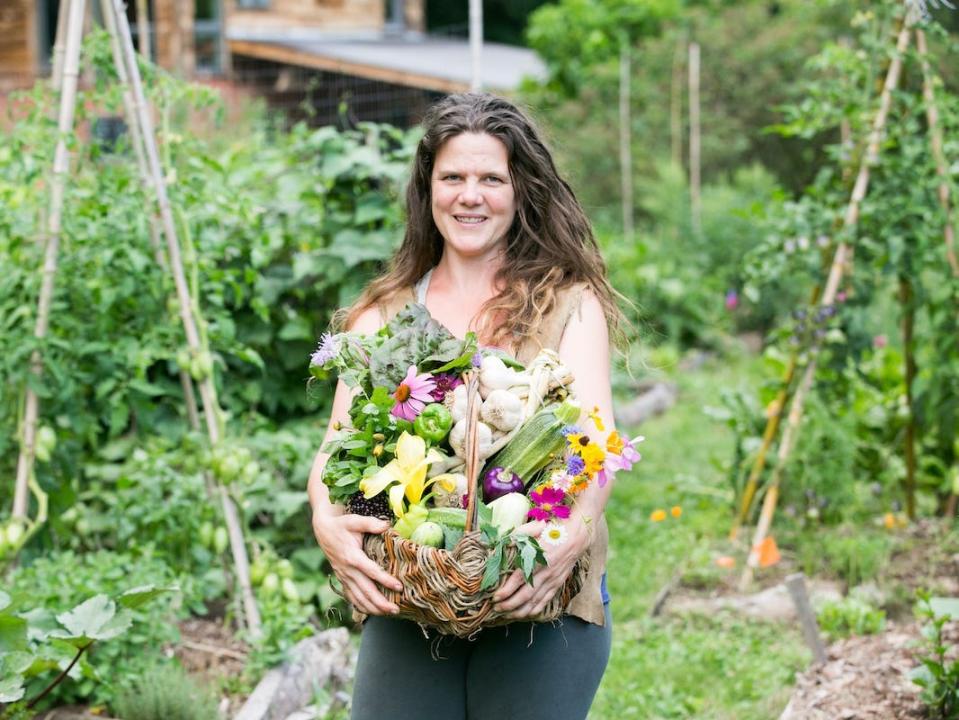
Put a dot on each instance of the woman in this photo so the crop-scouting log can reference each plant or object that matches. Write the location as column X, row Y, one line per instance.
column 495, row 243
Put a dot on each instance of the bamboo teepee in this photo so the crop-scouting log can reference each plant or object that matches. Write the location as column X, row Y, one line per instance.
column 66, row 69
column 794, row 393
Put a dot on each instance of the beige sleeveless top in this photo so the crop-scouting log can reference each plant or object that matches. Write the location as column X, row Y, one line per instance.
column 588, row 603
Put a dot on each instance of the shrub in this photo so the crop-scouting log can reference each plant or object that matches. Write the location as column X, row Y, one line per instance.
column 166, row 692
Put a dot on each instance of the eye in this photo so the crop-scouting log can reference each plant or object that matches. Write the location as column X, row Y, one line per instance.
column 495, row 179
column 450, row 176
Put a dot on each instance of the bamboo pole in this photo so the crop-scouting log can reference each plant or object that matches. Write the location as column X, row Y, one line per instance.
column 909, row 440
column 676, row 102
column 695, row 159
column 625, row 139
column 212, row 412
column 153, row 220
column 143, row 28
column 61, row 165
column 836, row 271
column 59, row 45
column 936, row 144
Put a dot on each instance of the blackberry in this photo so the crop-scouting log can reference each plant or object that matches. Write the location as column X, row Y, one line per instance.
column 377, row 506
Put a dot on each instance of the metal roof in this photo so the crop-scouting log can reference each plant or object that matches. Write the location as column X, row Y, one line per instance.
column 414, row 59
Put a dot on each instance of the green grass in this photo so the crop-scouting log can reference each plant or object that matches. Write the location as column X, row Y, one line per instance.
column 693, row 666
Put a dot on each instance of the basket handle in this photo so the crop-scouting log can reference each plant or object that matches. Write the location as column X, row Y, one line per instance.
column 473, row 403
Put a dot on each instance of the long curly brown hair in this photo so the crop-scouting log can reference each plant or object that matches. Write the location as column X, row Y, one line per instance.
column 549, row 246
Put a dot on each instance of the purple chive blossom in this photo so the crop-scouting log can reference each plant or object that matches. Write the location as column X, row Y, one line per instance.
column 325, row 352
column 445, row 382
column 575, row 465
column 571, row 430
column 477, row 359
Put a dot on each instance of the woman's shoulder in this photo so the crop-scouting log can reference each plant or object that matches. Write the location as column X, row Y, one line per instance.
column 374, row 316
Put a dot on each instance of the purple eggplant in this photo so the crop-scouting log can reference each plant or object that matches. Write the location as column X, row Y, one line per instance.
column 498, row 481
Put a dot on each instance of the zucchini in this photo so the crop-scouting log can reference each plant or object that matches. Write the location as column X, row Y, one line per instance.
column 448, row 517
column 538, row 441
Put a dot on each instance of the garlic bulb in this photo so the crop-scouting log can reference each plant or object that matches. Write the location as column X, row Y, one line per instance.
column 502, row 410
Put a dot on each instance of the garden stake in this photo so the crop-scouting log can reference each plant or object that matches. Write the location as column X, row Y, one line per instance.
column 836, row 272
column 56, row 75
column 796, row 584
column 212, row 412
column 909, row 442
column 136, row 139
column 935, row 142
column 61, row 165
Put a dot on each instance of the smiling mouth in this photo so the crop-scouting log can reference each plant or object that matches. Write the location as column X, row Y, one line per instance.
column 469, row 220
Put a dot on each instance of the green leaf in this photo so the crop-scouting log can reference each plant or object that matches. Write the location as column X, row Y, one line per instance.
column 93, row 619
column 528, row 559
column 13, row 633
column 494, row 564
column 142, row 594
column 11, row 689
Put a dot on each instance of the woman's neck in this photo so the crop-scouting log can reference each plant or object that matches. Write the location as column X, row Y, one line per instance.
column 469, row 280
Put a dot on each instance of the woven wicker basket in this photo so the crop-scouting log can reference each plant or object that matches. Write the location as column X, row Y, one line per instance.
column 441, row 589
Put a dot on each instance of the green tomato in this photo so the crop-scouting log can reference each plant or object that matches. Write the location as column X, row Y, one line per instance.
column 433, row 423
column 46, row 441
column 229, row 467
column 221, row 540
column 288, row 587
column 183, row 359
column 428, row 533
column 258, row 571
column 271, row 584
column 284, row 568
column 206, row 534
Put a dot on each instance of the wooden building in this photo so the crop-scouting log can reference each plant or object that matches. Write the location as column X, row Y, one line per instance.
column 372, row 57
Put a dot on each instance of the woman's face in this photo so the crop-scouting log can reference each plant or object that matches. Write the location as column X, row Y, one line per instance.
column 472, row 194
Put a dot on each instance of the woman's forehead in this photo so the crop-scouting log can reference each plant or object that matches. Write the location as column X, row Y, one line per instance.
column 472, row 150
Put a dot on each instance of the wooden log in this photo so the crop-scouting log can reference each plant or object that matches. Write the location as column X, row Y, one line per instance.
column 58, row 181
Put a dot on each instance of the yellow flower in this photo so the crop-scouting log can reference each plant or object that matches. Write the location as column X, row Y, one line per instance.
column 615, row 444
column 657, row 515
column 597, row 420
column 593, row 455
column 406, row 473
column 676, row 511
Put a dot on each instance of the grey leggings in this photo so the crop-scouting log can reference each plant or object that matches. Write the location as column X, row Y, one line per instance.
column 498, row 676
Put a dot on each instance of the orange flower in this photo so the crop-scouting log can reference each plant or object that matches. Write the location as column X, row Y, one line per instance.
column 615, row 444
column 676, row 511
column 657, row 515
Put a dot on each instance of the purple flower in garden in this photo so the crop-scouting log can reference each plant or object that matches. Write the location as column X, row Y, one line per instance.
column 325, row 351
column 445, row 382
column 546, row 504
column 732, row 300
column 412, row 395
column 575, row 465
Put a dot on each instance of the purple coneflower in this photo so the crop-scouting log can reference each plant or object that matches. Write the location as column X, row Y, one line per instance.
column 546, row 504
column 412, row 395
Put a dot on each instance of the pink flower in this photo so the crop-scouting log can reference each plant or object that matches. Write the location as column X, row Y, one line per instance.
column 880, row 341
column 546, row 504
column 624, row 460
column 732, row 300
column 413, row 394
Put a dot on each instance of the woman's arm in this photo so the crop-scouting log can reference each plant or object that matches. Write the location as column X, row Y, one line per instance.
column 341, row 534
column 584, row 349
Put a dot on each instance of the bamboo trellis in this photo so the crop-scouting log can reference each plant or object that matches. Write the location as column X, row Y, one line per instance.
column 139, row 119
column 838, row 268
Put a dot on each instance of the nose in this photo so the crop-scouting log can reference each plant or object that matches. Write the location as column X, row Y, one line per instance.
column 471, row 193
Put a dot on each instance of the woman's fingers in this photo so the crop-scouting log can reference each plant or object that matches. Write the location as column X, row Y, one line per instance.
column 372, row 599
column 512, row 584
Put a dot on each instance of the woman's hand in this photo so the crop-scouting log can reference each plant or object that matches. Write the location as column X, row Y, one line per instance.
column 523, row 600
column 341, row 537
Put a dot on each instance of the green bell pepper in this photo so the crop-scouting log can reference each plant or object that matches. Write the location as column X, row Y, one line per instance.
column 433, row 423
